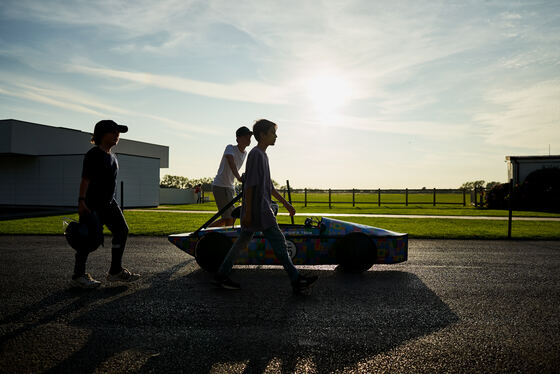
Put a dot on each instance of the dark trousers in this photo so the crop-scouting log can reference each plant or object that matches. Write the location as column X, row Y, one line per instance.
column 112, row 217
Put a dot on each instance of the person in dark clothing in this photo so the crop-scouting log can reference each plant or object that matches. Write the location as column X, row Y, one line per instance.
column 97, row 198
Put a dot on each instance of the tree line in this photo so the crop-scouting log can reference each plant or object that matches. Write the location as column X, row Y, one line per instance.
column 471, row 186
column 177, row 181
column 183, row 183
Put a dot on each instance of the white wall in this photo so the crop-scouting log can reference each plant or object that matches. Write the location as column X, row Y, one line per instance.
column 44, row 180
column 176, row 196
column 141, row 181
column 55, row 180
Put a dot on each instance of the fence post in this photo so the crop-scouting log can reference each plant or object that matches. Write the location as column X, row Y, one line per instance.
column 289, row 197
column 510, row 206
column 122, row 195
column 464, row 198
column 379, row 197
column 406, row 197
column 353, row 197
column 305, row 192
column 434, row 197
column 329, row 198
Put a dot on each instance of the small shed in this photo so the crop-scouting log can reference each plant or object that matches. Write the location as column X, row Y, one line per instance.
column 519, row 167
column 41, row 165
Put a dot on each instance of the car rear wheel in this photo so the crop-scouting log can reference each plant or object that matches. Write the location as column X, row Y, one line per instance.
column 356, row 252
column 211, row 250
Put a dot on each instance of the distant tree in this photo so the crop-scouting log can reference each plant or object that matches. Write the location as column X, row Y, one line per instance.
column 174, row 181
column 539, row 192
column 177, row 181
column 491, row 185
column 469, row 186
column 497, row 197
column 206, row 183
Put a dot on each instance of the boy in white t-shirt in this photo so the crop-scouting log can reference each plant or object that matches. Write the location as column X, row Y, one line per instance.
column 223, row 185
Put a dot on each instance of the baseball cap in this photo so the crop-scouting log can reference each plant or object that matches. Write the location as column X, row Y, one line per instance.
column 242, row 131
column 107, row 125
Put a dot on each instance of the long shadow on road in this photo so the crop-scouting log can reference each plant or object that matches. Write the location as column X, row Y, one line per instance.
column 182, row 324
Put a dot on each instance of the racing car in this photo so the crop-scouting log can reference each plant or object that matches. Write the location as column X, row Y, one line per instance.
column 319, row 241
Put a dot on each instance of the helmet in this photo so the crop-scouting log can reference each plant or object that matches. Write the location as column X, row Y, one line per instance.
column 86, row 235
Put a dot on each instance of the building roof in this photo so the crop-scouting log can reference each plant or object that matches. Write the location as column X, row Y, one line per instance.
column 26, row 138
column 533, row 158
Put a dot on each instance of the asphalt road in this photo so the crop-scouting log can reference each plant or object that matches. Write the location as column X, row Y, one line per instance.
column 455, row 306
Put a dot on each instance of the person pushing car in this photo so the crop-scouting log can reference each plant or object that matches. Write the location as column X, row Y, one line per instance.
column 228, row 171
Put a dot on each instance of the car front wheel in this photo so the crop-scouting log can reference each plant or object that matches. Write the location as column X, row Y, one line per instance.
column 356, row 252
column 211, row 250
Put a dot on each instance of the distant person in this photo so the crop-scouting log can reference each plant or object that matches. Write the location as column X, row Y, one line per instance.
column 198, row 193
column 257, row 213
column 223, row 186
column 97, row 197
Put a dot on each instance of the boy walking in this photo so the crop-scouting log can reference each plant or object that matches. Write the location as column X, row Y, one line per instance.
column 228, row 172
column 97, row 197
column 257, row 213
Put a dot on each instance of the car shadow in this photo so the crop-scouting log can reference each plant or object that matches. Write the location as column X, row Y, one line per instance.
column 184, row 324
column 344, row 320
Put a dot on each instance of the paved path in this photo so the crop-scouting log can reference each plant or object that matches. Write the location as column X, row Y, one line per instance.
column 551, row 219
column 453, row 307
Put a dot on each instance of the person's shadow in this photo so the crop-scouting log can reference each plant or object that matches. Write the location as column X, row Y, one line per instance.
column 183, row 324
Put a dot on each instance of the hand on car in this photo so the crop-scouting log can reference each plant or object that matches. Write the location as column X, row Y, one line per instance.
column 290, row 208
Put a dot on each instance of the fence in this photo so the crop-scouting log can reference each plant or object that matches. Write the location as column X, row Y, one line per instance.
column 380, row 197
column 406, row 197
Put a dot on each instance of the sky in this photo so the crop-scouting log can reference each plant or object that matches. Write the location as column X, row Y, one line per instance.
column 366, row 94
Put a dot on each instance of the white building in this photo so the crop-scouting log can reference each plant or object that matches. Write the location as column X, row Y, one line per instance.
column 519, row 167
column 41, row 166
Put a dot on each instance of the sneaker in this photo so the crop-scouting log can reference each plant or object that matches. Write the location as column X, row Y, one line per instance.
column 85, row 281
column 225, row 282
column 123, row 276
column 303, row 283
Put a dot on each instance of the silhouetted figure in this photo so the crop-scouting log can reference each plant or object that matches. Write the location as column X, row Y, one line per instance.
column 97, row 198
column 257, row 213
column 223, row 186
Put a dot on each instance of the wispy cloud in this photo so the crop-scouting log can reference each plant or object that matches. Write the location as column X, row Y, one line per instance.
column 131, row 18
column 70, row 99
column 527, row 117
column 254, row 92
column 35, row 94
column 391, row 125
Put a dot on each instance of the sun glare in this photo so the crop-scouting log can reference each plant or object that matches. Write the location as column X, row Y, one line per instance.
column 328, row 93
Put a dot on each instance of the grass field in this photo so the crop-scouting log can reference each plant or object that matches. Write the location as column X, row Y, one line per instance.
column 424, row 209
column 372, row 199
column 385, row 198
column 165, row 223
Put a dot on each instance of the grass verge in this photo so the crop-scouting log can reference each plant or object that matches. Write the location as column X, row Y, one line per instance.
column 441, row 210
column 165, row 223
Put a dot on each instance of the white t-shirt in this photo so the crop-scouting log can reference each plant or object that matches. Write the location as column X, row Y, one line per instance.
column 225, row 177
